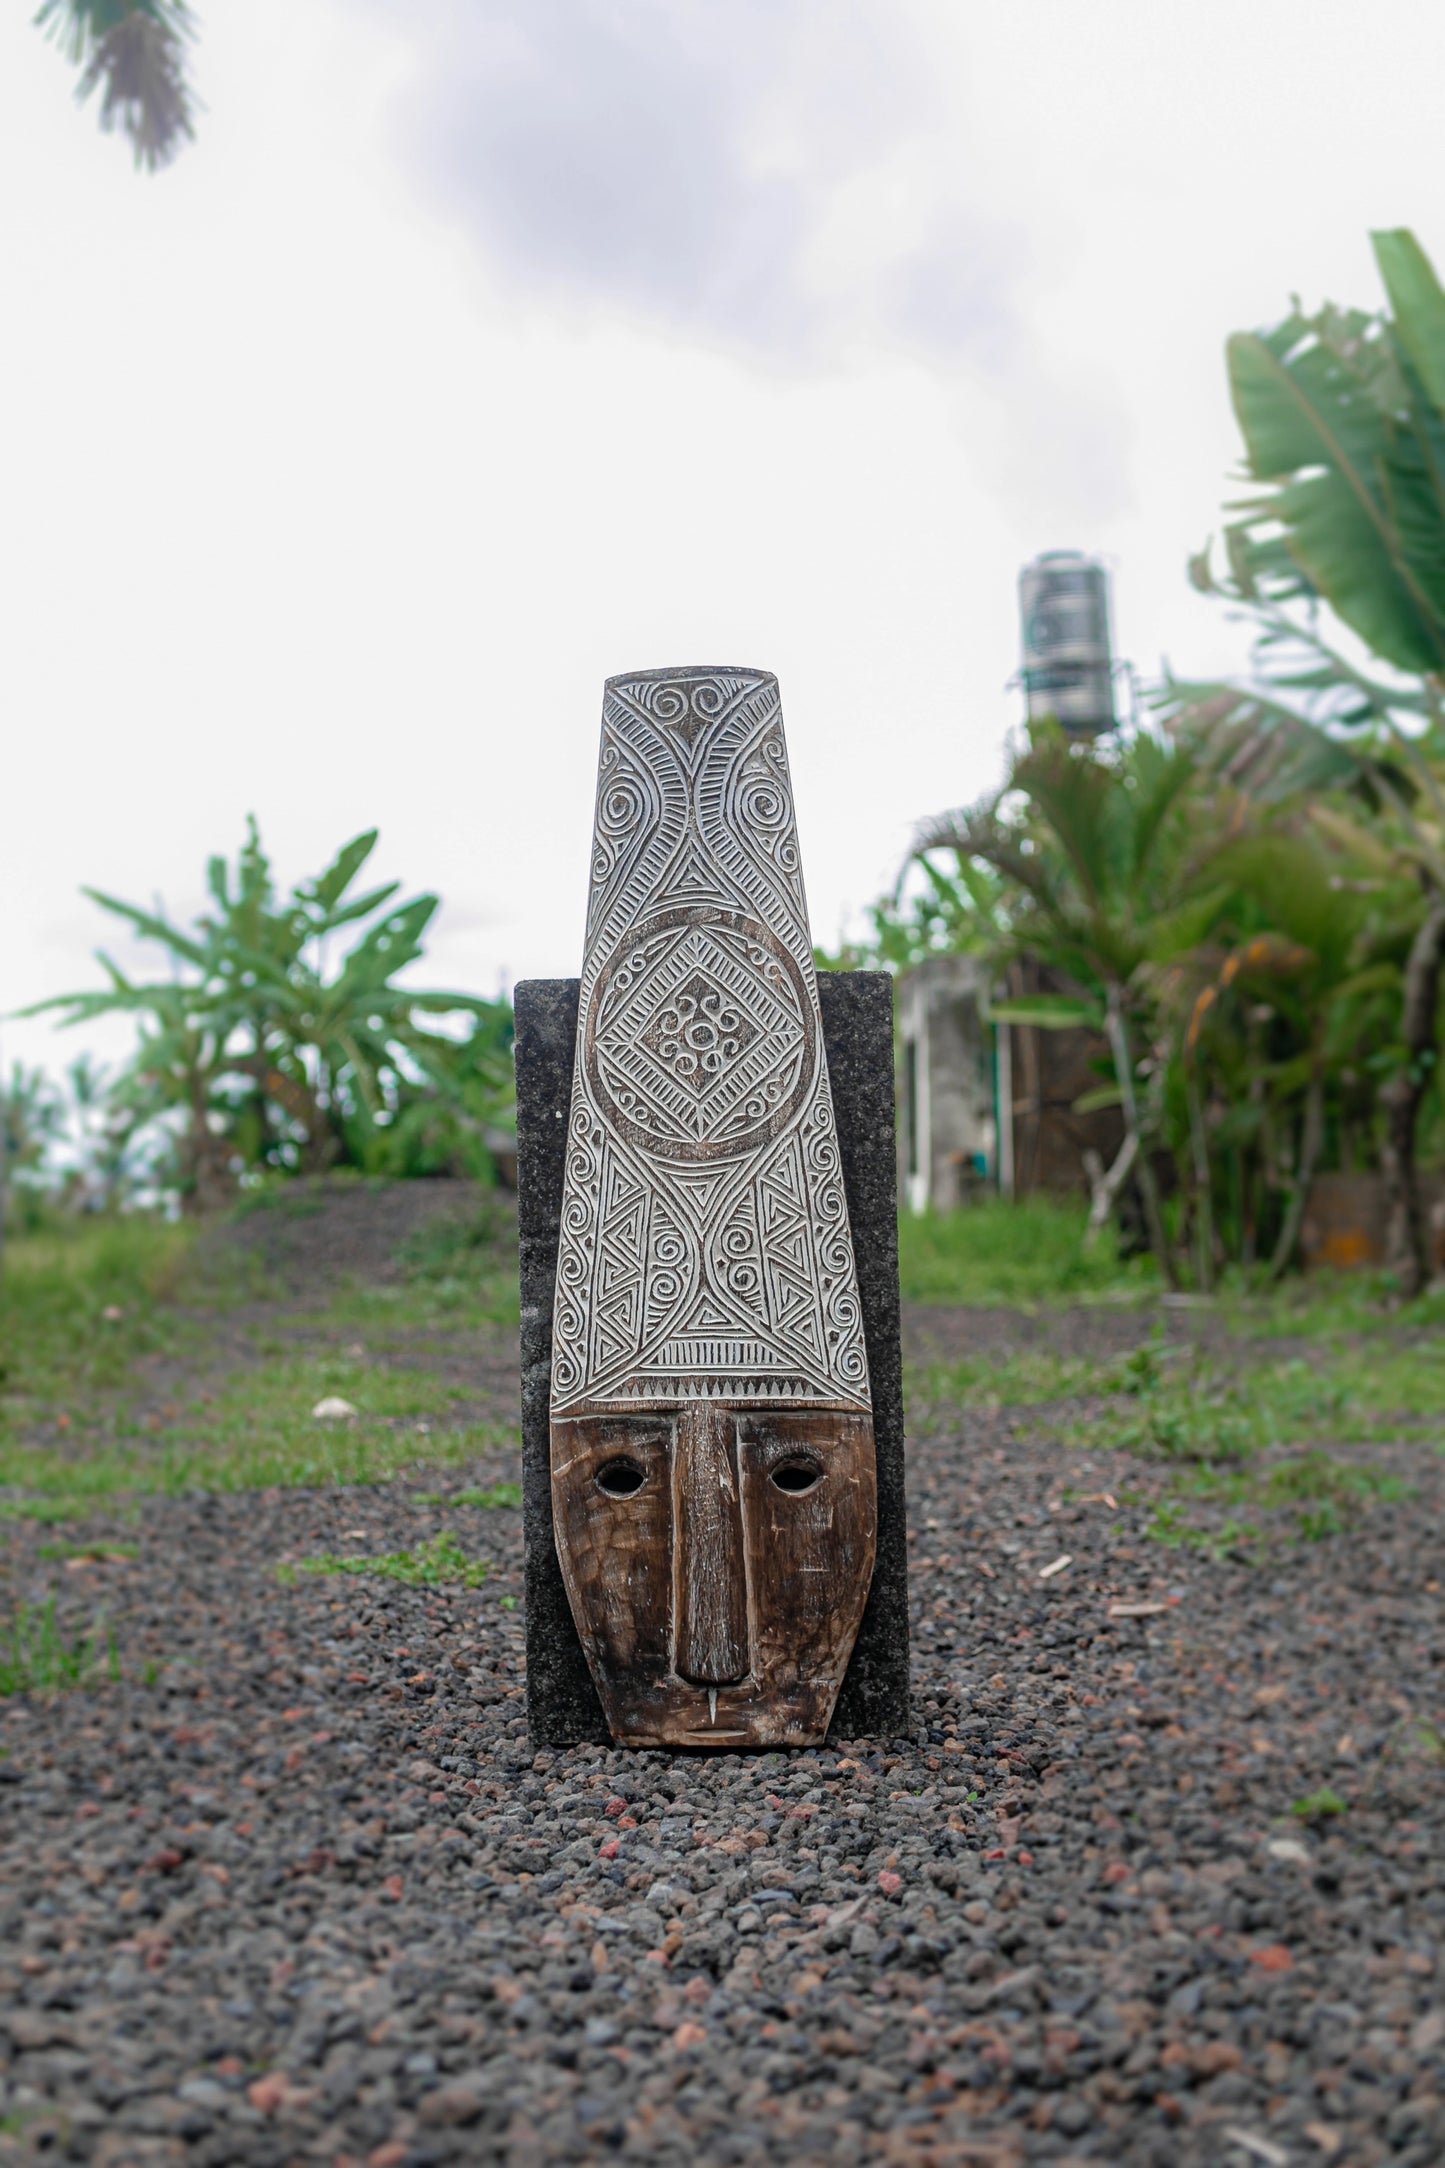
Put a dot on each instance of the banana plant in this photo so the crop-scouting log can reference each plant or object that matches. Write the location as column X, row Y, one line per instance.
column 1343, row 417
column 266, row 1048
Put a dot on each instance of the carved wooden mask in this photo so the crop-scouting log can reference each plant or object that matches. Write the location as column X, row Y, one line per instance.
column 713, row 1478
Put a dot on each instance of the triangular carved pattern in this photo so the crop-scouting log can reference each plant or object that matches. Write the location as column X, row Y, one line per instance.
column 702, row 1277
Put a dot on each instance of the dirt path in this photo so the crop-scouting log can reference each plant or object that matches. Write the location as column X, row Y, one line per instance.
column 309, row 1895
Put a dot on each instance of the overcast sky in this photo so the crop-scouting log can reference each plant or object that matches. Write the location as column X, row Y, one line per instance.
column 481, row 348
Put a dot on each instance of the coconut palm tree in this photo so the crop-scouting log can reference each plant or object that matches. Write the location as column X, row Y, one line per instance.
column 134, row 53
column 1097, row 844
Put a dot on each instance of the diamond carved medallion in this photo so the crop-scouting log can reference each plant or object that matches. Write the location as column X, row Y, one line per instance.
column 699, row 1035
column 700, row 1042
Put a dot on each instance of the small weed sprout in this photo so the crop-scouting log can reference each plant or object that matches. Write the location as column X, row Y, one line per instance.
column 37, row 1656
column 438, row 1563
column 1319, row 1806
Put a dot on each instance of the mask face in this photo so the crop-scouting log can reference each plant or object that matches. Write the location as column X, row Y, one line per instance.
column 713, row 1477
column 718, row 1562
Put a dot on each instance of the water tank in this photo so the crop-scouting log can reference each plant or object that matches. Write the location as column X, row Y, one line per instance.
column 1068, row 667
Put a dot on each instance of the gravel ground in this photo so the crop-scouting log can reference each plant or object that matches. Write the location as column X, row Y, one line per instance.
column 310, row 1895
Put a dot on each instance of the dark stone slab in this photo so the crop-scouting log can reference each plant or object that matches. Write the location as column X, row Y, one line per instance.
column 858, row 1034
column 562, row 1704
column 857, row 1007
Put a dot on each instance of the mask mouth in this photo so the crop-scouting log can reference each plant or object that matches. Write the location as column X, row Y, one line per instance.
column 796, row 1475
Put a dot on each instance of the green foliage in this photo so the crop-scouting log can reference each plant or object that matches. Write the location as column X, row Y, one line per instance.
column 439, row 1562
column 1009, row 1378
column 998, row 1252
column 40, row 1656
column 82, row 1300
column 269, row 1051
column 1249, row 902
column 946, row 910
column 32, row 1117
column 490, row 1500
column 1320, row 1806
column 133, row 53
column 1344, row 422
column 85, row 1305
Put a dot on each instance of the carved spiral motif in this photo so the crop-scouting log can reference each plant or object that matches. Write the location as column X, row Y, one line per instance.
column 704, row 1228
column 700, row 1039
column 699, row 1034
column 669, row 703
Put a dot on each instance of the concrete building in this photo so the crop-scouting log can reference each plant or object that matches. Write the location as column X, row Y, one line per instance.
column 985, row 1106
column 948, row 1126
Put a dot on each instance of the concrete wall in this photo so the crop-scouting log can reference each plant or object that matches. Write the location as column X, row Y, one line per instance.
column 947, row 1130
column 984, row 1106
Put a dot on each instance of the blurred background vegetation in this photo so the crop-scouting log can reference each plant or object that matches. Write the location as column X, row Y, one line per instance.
column 1242, row 894
column 1244, row 897
column 276, row 1043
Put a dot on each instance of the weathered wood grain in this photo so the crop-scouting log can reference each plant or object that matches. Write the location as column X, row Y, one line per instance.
column 563, row 1705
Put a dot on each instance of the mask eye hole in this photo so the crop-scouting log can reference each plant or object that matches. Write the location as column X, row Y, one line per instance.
column 796, row 1476
column 620, row 1478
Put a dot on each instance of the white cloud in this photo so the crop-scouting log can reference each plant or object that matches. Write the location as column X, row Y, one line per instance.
column 756, row 174
column 477, row 351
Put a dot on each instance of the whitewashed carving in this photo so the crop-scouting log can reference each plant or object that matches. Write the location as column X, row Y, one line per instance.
column 705, row 1251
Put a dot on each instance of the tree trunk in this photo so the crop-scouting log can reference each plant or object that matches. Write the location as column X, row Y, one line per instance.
column 1407, row 1249
column 1203, row 1201
column 1311, row 1141
column 1104, row 1186
column 1148, row 1187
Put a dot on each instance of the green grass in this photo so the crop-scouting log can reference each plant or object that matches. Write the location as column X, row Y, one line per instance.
column 83, row 1300
column 290, row 1453
column 98, row 1554
column 440, row 1562
column 1195, row 1409
column 38, row 1656
column 500, row 1494
column 1010, row 1378
column 998, row 1252
column 1319, row 1806
column 101, row 1321
column 1220, row 1540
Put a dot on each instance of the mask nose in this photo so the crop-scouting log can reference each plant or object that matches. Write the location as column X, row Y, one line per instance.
column 710, row 1610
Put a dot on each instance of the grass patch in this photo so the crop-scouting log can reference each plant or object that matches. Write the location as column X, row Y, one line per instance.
column 50, row 1512
column 469, row 1248
column 1200, row 1417
column 500, row 1494
column 999, row 1252
column 295, row 1454
column 95, row 1554
column 1011, row 1378
column 1320, row 1806
column 83, row 1300
column 440, row 1562
column 90, row 1313
column 37, row 1655
column 1170, row 1528
column 1322, row 1496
